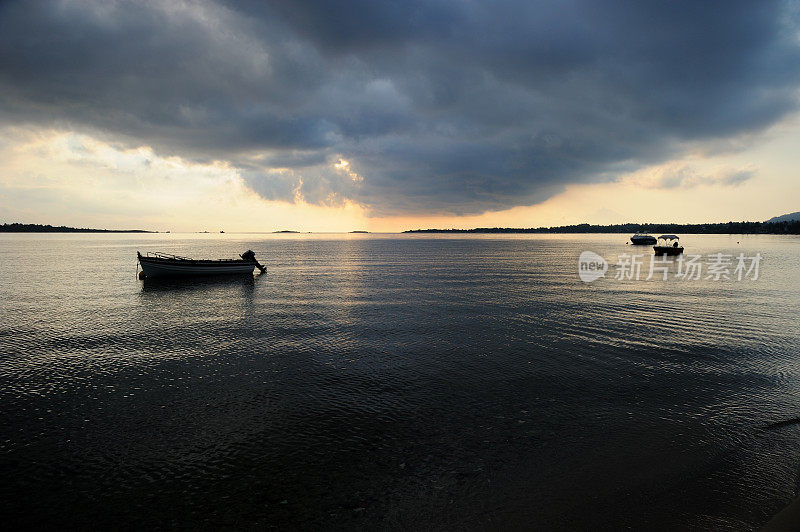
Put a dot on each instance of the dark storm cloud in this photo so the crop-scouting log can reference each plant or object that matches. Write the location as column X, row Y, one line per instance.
column 441, row 106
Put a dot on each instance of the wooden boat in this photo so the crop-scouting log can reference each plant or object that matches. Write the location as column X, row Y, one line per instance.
column 668, row 245
column 640, row 239
column 166, row 265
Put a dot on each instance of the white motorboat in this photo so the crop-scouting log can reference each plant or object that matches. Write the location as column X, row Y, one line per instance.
column 668, row 245
column 642, row 239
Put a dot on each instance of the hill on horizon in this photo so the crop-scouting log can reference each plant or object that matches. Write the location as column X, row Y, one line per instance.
column 791, row 217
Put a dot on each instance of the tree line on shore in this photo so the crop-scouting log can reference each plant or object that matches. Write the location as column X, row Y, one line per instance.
column 38, row 228
column 750, row 228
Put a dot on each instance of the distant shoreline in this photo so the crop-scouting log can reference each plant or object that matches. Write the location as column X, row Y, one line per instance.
column 734, row 228
column 38, row 228
column 743, row 228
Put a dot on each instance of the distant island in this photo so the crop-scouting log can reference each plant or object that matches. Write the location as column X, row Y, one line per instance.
column 285, row 231
column 790, row 227
column 359, row 231
column 38, row 228
column 791, row 217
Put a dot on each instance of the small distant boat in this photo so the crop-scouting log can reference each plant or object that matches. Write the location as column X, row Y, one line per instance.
column 642, row 239
column 166, row 265
column 668, row 245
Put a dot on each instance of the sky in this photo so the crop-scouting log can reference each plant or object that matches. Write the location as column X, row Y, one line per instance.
column 384, row 116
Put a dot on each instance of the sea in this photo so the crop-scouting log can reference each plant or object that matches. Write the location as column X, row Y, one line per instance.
column 400, row 381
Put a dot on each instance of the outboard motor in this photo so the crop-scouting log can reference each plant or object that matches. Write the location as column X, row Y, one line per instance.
column 251, row 257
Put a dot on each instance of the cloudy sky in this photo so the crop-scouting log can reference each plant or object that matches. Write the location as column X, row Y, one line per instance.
column 323, row 115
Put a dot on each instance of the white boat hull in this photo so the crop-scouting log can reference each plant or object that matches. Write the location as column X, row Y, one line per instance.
column 638, row 240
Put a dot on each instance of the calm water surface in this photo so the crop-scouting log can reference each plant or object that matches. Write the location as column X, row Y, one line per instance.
column 395, row 381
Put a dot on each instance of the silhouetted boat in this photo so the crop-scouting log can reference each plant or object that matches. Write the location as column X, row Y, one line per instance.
column 166, row 265
column 670, row 246
column 640, row 239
